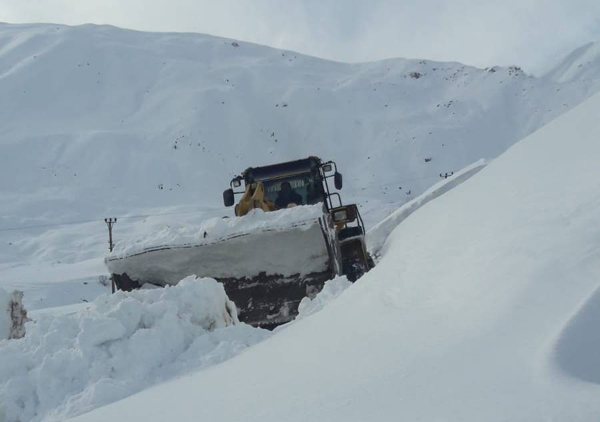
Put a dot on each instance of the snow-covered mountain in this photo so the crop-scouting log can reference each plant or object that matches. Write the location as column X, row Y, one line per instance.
column 98, row 121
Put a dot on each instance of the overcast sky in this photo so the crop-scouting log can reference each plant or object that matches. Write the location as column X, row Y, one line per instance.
column 534, row 34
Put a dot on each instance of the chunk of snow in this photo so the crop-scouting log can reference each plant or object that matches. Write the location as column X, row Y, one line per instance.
column 120, row 344
column 331, row 290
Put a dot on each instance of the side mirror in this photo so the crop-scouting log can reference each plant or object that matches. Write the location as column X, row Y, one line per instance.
column 338, row 181
column 327, row 168
column 228, row 198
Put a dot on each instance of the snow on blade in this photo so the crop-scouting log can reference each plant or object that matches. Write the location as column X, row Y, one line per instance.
column 215, row 230
column 120, row 344
column 286, row 242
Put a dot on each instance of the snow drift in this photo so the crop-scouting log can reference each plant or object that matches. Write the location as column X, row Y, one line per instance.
column 478, row 310
column 120, row 344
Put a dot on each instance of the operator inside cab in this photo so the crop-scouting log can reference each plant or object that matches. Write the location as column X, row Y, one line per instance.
column 287, row 196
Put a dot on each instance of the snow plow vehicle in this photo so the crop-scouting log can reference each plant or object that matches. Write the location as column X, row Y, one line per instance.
column 290, row 234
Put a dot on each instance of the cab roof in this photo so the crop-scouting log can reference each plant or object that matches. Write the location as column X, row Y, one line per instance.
column 304, row 165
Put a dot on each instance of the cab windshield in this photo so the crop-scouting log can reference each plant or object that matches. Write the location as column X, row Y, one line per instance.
column 299, row 190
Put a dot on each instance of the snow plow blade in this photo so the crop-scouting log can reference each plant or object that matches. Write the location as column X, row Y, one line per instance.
column 267, row 262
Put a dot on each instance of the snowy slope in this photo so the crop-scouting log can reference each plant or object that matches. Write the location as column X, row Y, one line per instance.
column 581, row 65
column 483, row 307
column 98, row 121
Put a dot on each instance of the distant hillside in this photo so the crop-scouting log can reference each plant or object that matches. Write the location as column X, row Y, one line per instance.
column 582, row 66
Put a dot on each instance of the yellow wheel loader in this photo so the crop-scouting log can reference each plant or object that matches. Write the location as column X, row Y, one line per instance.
column 290, row 235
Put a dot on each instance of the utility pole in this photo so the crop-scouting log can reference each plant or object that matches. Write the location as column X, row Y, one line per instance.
column 110, row 222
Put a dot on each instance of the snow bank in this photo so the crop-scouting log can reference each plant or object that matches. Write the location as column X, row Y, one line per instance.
column 5, row 322
column 331, row 290
column 120, row 344
column 377, row 235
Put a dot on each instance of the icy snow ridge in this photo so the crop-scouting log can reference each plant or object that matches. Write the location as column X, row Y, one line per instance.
column 120, row 344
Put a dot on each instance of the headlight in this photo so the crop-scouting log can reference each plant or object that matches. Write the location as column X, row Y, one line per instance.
column 340, row 216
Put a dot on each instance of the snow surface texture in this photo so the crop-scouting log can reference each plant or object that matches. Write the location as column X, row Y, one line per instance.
column 377, row 236
column 5, row 320
column 483, row 307
column 118, row 345
column 285, row 242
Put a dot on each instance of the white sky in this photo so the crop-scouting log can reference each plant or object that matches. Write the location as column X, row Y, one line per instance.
column 534, row 34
